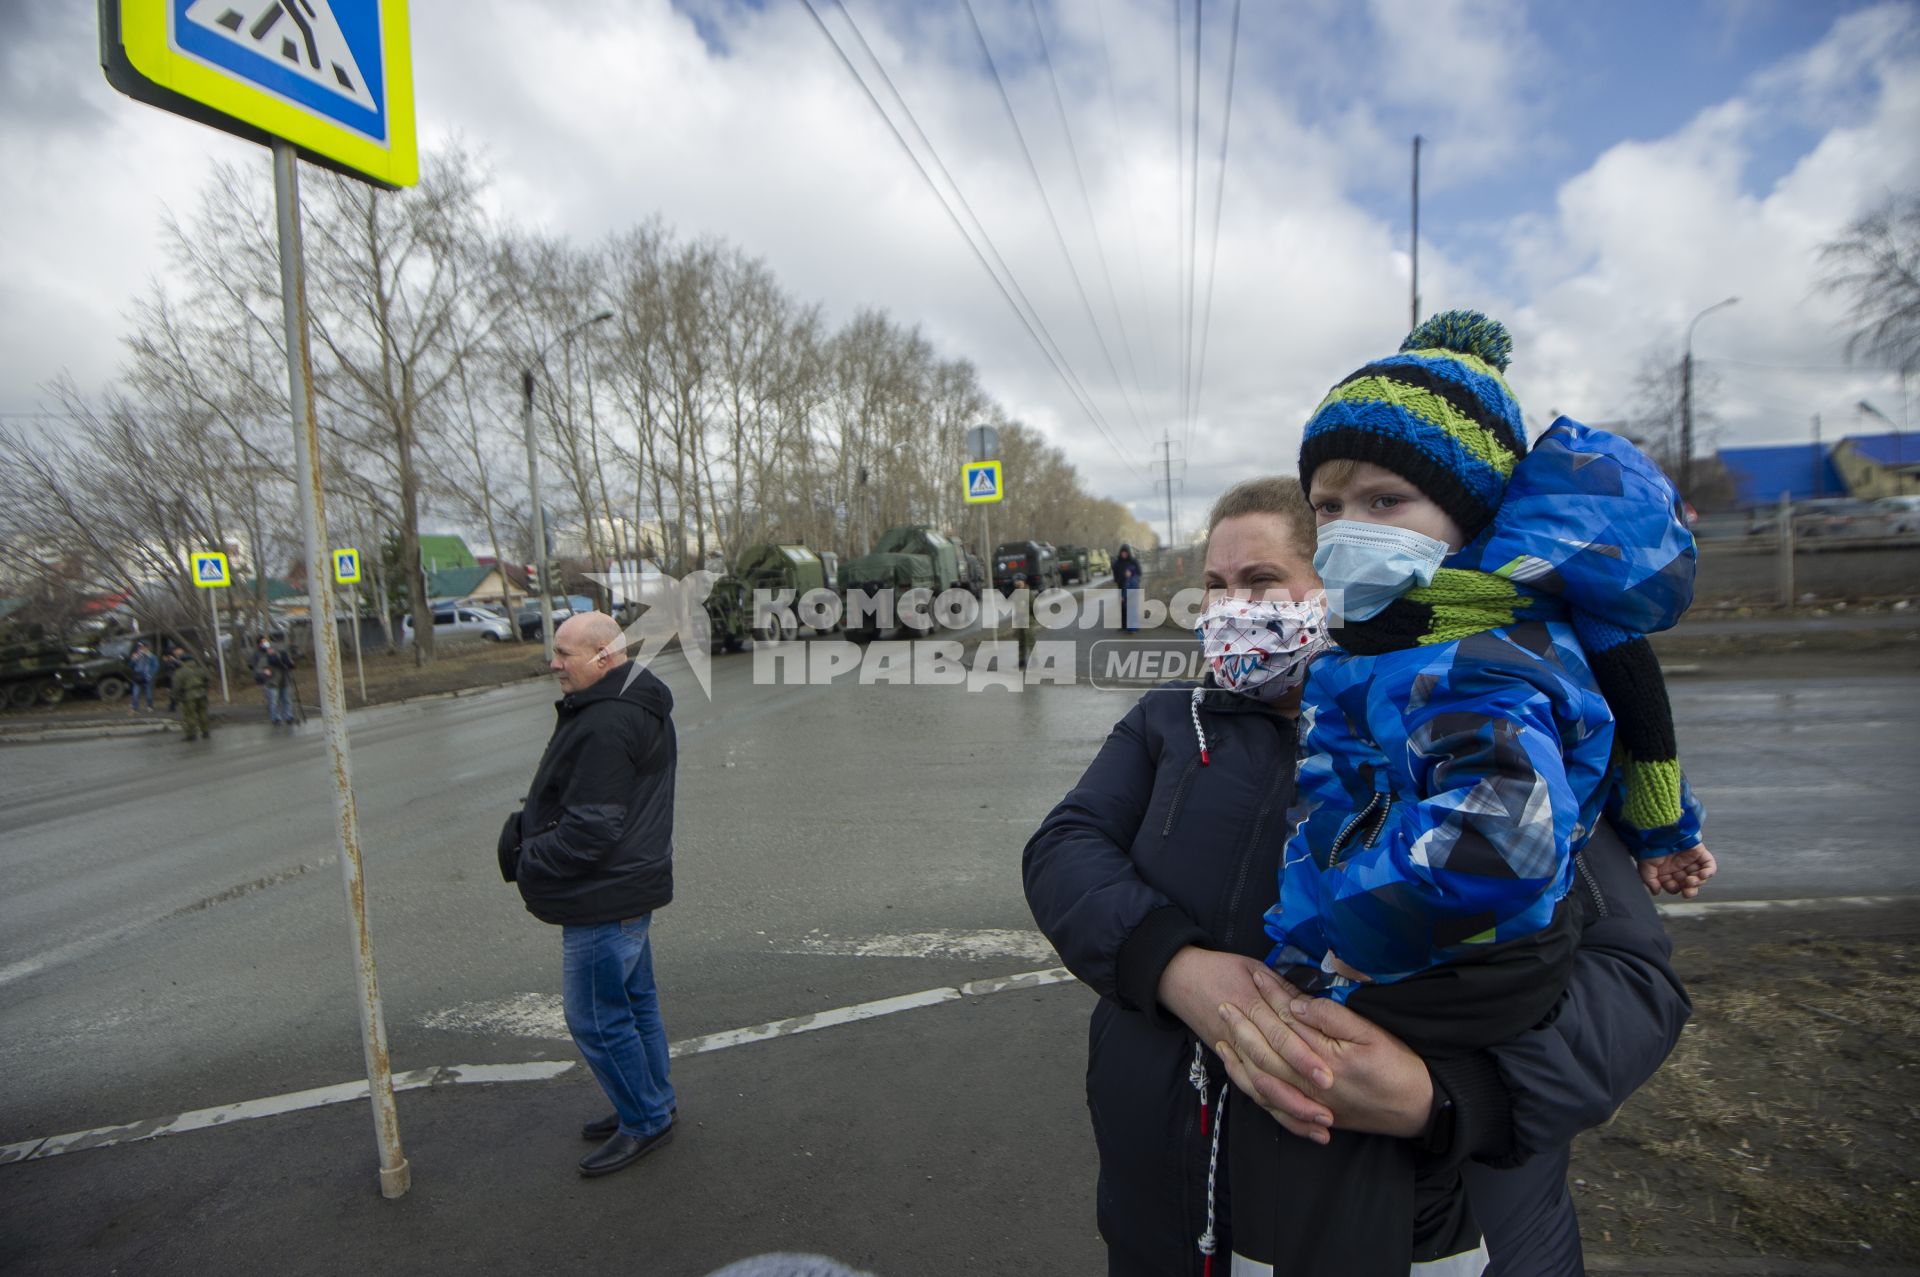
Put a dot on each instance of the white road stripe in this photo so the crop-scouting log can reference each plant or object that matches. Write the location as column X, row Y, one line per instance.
column 1702, row 908
column 532, row 1071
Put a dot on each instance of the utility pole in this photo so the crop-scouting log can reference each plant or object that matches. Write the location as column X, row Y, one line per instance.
column 1686, row 401
column 1166, row 459
column 1819, row 461
column 1415, row 300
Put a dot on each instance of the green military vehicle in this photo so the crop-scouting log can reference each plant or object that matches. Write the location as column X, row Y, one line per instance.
column 911, row 557
column 730, row 613
column 39, row 669
column 1075, row 565
column 794, row 569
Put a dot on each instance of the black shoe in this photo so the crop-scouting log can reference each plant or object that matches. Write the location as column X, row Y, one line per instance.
column 622, row 1151
column 611, row 1123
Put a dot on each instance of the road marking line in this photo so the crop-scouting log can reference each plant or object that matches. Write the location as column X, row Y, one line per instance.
column 1701, row 908
column 531, row 1071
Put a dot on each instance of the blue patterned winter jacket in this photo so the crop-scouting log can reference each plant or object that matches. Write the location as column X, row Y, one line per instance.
column 1446, row 788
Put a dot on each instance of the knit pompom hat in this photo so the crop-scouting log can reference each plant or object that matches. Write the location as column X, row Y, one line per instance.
column 1438, row 414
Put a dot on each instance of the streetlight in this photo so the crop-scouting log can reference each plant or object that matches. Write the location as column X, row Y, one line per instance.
column 533, row 476
column 1899, row 437
column 1686, row 401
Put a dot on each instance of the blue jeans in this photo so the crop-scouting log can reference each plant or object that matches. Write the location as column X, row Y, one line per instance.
column 279, row 703
column 143, row 687
column 613, row 1012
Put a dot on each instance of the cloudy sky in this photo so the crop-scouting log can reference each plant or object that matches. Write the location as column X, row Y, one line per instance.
column 1595, row 175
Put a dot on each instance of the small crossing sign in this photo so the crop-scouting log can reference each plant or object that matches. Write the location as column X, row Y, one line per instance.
column 346, row 567
column 210, row 569
column 981, row 482
column 333, row 77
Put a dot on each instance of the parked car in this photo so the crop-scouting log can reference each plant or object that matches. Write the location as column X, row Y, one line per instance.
column 1035, row 558
column 527, row 617
column 1899, row 516
column 463, row 620
column 1820, row 517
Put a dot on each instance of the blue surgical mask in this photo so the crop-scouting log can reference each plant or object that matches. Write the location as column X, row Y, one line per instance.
column 1366, row 566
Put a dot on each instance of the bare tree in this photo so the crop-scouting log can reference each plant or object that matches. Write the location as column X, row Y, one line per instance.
column 1875, row 266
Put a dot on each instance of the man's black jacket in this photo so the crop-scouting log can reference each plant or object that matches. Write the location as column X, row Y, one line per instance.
column 596, row 834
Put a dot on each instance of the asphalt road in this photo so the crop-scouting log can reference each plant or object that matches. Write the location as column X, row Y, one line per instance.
column 172, row 932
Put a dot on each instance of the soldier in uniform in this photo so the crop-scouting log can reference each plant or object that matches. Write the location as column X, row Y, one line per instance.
column 190, row 686
column 1023, row 625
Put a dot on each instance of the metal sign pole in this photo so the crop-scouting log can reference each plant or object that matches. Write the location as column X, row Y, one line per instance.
column 219, row 657
column 353, row 596
column 395, row 1175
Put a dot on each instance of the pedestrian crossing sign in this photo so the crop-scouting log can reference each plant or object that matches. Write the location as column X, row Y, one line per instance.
column 981, row 482
column 333, row 77
column 346, row 567
column 210, row 569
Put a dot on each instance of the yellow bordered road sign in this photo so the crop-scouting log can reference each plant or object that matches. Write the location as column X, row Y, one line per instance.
column 333, row 77
column 980, row 480
column 210, row 569
column 346, row 567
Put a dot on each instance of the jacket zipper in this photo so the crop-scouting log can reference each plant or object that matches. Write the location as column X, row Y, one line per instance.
column 1246, row 859
column 1346, row 832
column 1592, row 885
column 1179, row 795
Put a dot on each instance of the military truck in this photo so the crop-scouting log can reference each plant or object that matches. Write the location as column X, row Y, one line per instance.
column 775, row 568
column 730, row 613
column 1034, row 559
column 40, row 669
column 911, row 557
column 1075, row 565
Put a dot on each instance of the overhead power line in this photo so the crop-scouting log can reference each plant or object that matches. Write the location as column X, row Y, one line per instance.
column 1033, row 170
column 984, row 249
column 1219, row 200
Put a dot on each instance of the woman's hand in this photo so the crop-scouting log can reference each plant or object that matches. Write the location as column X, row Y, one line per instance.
column 1198, row 980
column 1312, row 1064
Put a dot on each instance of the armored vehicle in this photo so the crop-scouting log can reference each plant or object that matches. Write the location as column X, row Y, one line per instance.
column 39, row 669
column 911, row 557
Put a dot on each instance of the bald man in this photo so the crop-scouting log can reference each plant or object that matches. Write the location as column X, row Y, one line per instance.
column 592, row 851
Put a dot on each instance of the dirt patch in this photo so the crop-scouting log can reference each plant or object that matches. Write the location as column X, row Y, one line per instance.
column 1787, row 1122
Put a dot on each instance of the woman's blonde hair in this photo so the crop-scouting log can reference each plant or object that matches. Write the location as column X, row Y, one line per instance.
column 1277, row 495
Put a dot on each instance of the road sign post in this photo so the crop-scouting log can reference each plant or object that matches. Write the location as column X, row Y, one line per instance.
column 329, row 80
column 346, row 571
column 980, row 484
column 210, row 573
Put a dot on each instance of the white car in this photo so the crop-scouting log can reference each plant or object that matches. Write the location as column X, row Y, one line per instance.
column 1900, row 515
column 463, row 621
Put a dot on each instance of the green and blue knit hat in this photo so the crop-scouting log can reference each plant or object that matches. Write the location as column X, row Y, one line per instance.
column 1438, row 414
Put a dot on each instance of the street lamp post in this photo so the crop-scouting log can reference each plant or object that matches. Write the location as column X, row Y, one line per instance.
column 1686, row 401
column 533, row 477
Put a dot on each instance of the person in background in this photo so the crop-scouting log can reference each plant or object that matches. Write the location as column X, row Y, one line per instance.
column 145, row 665
column 273, row 671
column 189, row 683
column 1126, row 577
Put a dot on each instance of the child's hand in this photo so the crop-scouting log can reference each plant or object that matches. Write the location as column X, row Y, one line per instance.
column 1679, row 874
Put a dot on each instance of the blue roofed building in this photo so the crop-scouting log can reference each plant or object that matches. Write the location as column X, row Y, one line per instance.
column 1760, row 474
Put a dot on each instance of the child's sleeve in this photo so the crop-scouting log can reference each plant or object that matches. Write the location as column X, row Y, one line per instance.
column 1648, row 844
column 1472, row 851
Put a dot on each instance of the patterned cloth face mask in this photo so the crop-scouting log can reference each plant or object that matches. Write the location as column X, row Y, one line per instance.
column 1262, row 647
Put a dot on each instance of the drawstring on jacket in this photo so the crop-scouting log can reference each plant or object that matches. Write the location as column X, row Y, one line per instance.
column 1193, row 707
column 1197, row 1075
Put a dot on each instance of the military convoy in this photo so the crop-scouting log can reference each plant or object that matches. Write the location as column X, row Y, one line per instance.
column 912, row 557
